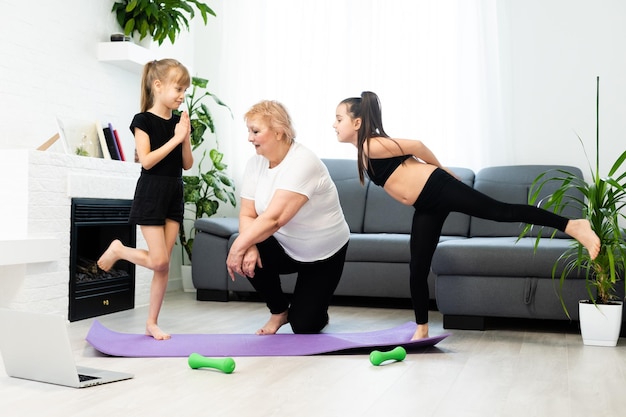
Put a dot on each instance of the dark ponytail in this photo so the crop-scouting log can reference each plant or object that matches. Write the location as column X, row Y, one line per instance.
column 367, row 108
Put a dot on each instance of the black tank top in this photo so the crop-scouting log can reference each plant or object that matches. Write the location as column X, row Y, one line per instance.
column 379, row 170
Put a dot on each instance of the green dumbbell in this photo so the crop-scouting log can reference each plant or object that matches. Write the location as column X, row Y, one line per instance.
column 397, row 354
column 226, row 365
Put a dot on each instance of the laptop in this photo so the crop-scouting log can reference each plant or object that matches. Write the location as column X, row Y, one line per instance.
column 37, row 347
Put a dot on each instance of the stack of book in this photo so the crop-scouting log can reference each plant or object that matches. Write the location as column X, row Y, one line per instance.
column 110, row 142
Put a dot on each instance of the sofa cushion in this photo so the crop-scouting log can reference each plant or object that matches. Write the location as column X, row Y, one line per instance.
column 512, row 185
column 345, row 175
column 499, row 256
column 380, row 247
column 383, row 214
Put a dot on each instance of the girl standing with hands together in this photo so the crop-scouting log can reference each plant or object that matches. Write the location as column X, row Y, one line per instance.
column 410, row 173
column 162, row 141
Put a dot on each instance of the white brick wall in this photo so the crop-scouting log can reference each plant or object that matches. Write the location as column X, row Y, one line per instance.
column 53, row 179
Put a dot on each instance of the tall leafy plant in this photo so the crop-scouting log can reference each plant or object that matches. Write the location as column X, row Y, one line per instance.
column 204, row 191
column 604, row 198
column 160, row 19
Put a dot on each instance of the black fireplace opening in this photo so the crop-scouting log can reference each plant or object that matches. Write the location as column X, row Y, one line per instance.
column 95, row 223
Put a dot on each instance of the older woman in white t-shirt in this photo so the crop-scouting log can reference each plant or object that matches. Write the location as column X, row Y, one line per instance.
column 290, row 221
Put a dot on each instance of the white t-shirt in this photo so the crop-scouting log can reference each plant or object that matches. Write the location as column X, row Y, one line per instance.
column 319, row 229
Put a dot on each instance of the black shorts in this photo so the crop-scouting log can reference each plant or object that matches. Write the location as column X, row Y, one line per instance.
column 157, row 198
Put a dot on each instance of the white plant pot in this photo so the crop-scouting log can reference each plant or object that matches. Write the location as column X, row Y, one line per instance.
column 600, row 324
column 185, row 273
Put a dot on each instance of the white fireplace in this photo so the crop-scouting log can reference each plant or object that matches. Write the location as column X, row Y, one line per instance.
column 36, row 191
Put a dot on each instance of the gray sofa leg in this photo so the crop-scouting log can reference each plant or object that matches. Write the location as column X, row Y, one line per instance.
column 451, row 321
column 211, row 295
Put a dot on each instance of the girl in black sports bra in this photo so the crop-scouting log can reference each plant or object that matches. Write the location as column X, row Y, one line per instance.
column 410, row 173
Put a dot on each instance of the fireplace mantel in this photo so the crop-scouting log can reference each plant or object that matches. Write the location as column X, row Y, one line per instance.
column 29, row 250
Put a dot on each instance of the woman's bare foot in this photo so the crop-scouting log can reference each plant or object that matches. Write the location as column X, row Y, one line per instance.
column 275, row 322
column 581, row 230
column 421, row 332
column 152, row 329
column 110, row 256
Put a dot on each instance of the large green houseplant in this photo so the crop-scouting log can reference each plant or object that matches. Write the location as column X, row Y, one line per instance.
column 162, row 19
column 603, row 202
column 211, row 185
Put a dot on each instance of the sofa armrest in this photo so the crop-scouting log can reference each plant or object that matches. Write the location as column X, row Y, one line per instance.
column 210, row 249
column 219, row 226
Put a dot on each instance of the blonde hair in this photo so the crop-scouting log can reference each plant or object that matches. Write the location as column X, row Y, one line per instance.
column 167, row 71
column 275, row 115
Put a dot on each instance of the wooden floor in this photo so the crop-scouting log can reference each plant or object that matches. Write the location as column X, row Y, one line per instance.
column 508, row 370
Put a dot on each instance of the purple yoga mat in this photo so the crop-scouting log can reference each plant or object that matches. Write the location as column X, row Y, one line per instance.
column 221, row 345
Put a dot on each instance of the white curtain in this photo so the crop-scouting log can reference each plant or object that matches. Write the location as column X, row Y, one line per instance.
column 433, row 63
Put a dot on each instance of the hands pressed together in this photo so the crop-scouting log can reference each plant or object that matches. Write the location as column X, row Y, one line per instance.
column 183, row 127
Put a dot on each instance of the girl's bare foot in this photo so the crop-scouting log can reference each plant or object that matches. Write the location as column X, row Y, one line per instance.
column 421, row 332
column 110, row 256
column 581, row 230
column 275, row 322
column 153, row 330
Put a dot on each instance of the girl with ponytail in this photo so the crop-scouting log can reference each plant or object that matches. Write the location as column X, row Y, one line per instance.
column 163, row 148
column 410, row 173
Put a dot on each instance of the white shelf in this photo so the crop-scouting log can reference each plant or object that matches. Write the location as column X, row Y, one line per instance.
column 126, row 55
column 29, row 250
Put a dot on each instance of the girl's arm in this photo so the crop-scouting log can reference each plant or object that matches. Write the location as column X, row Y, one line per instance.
column 187, row 155
column 380, row 147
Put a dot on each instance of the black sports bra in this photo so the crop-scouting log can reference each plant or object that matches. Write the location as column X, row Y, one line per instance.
column 379, row 170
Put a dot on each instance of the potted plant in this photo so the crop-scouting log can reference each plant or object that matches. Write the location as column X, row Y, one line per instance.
column 604, row 199
column 204, row 191
column 161, row 20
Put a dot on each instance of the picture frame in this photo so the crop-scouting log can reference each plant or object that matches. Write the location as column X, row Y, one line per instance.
column 59, row 136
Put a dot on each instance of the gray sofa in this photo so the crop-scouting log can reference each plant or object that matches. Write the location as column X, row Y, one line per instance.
column 479, row 269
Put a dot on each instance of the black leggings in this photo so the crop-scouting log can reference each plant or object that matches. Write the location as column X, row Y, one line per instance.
column 315, row 285
column 443, row 194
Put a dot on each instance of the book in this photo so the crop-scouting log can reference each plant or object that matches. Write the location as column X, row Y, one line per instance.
column 119, row 144
column 111, row 145
column 103, row 142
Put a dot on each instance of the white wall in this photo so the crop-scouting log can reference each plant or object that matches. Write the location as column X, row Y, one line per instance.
column 556, row 50
column 49, row 69
column 550, row 54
